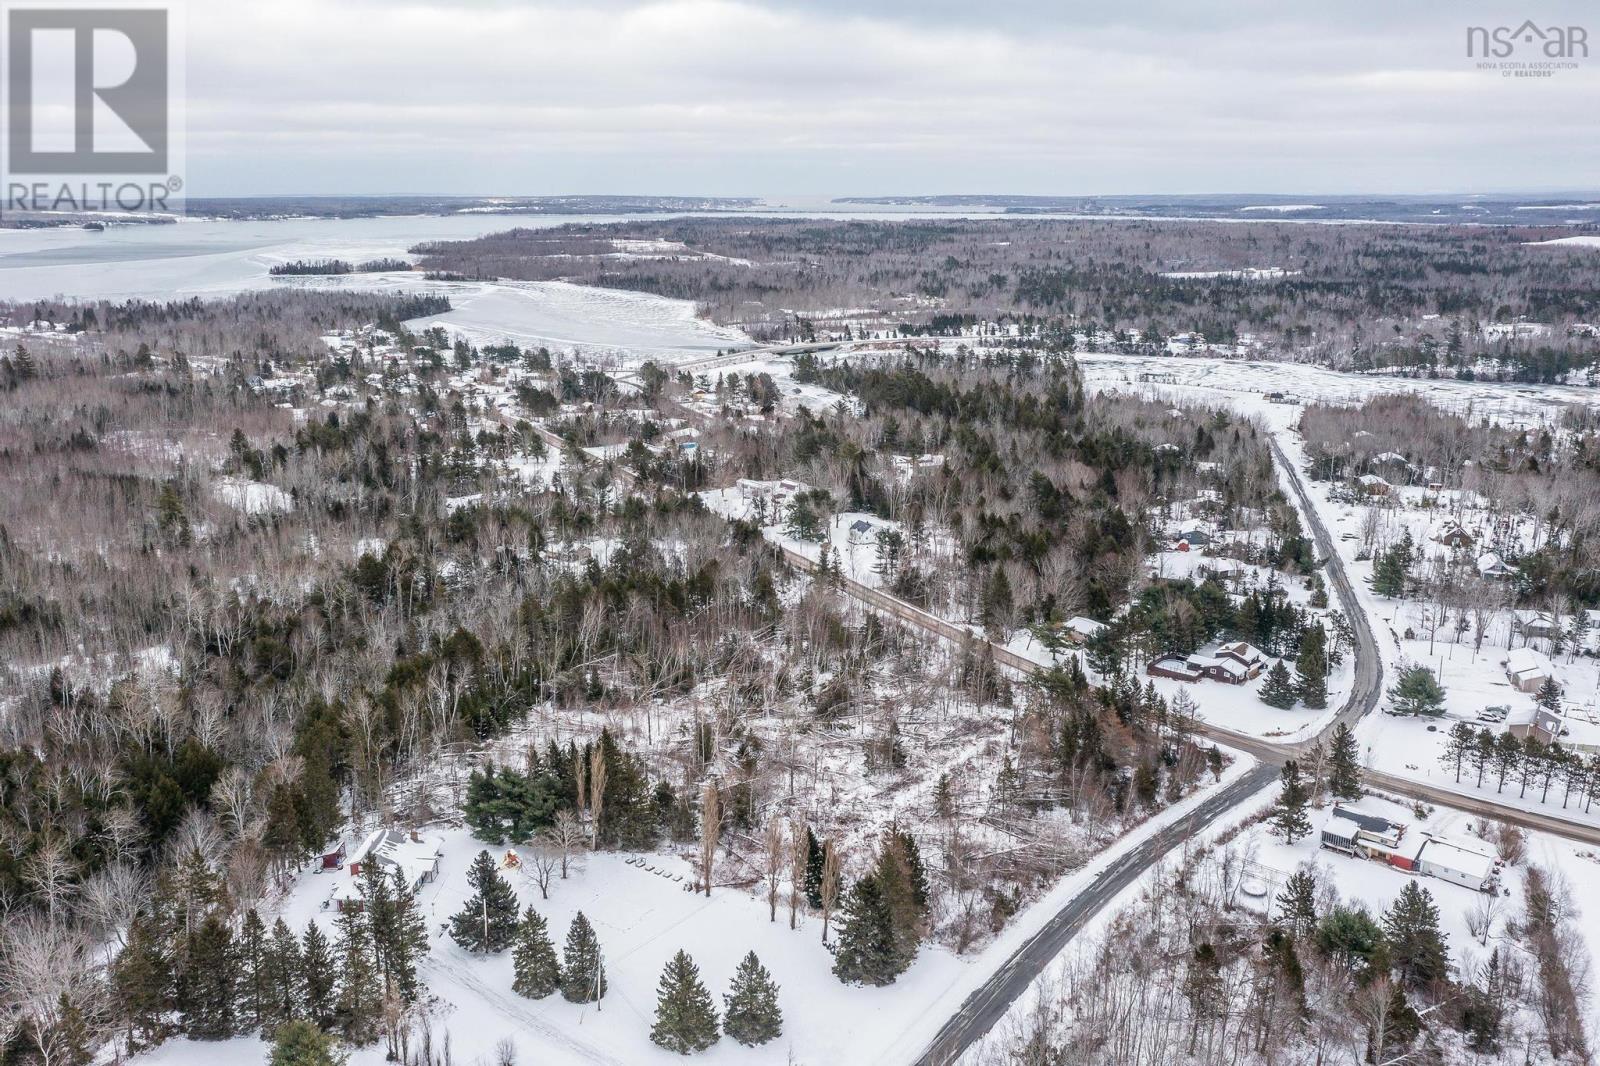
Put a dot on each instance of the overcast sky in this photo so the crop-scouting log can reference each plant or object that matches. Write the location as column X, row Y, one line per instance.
column 786, row 98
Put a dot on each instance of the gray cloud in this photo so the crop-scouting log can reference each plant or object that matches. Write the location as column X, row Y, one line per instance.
column 715, row 97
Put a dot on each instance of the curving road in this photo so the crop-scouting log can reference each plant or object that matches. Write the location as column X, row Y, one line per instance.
column 988, row 1004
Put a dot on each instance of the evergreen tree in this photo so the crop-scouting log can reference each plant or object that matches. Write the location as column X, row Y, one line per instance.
column 1389, row 571
column 1311, row 667
column 303, row 1044
column 813, row 878
column 488, row 922
column 750, row 1008
column 686, row 1021
column 141, row 984
column 318, row 984
column 1289, row 815
column 1549, row 696
column 583, row 975
column 1417, row 691
column 405, row 941
column 72, row 1043
column 252, row 949
column 1416, row 944
column 1297, row 903
column 210, row 991
column 1344, row 768
column 360, row 1002
column 1278, row 689
column 866, row 943
column 281, row 975
column 534, row 957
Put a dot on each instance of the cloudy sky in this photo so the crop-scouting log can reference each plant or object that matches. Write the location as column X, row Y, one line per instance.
column 786, row 98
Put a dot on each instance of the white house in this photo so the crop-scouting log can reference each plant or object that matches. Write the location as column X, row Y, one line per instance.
column 1491, row 565
column 1528, row 669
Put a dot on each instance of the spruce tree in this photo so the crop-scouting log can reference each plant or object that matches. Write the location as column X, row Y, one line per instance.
column 1389, row 572
column 1289, row 815
column 281, row 972
column 210, row 990
column 360, row 1001
column 318, row 978
column 488, row 922
column 1416, row 944
column 1311, row 667
column 750, row 1008
column 1344, row 768
column 534, row 957
column 813, row 878
column 1549, row 696
column 866, row 952
column 1278, row 689
column 252, row 948
column 583, row 975
column 72, row 1043
column 141, row 984
column 686, row 1021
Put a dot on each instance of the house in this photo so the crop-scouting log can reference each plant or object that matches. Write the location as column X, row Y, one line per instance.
column 1527, row 669
column 1537, row 722
column 1459, row 865
column 1491, row 565
column 1234, row 663
column 1175, row 667
column 1532, row 624
column 1353, row 832
column 1196, row 536
column 1373, row 485
column 1452, row 535
column 393, row 850
column 860, row 532
column 1081, row 630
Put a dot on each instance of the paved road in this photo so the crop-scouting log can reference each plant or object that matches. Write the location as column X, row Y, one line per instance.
column 987, row 1005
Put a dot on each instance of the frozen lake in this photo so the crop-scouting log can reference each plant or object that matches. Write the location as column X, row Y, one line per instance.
column 219, row 258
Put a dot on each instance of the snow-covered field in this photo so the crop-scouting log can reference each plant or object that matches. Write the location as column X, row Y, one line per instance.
column 642, row 914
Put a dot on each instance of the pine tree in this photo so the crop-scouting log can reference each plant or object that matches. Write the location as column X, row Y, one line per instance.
column 583, row 975
column 72, row 1043
column 318, row 978
column 1297, row 903
column 281, row 971
column 488, row 922
column 1311, row 667
column 1344, row 768
column 360, row 994
column 1289, row 815
column 1417, row 691
column 750, row 1008
column 141, row 983
column 405, row 941
column 303, row 1044
column 210, row 973
column 1416, row 944
column 1278, row 689
column 534, row 957
column 1389, row 572
column 686, row 1021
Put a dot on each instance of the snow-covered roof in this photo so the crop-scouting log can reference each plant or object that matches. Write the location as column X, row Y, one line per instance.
column 394, row 849
column 1085, row 626
column 1520, row 661
column 1463, row 860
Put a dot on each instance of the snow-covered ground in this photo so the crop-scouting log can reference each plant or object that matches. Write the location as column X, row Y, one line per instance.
column 1356, row 880
column 642, row 914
